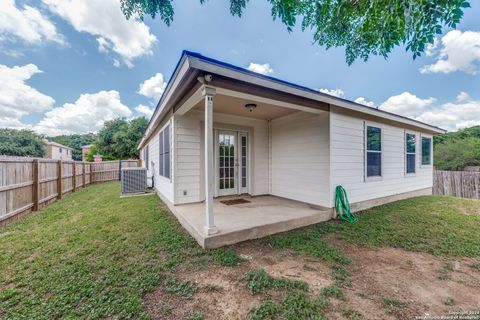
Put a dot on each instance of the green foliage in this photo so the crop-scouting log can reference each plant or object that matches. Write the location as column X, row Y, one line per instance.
column 298, row 305
column 196, row 315
column 21, row 143
column 333, row 291
column 259, row 280
column 457, row 151
column 75, row 141
column 180, row 288
column 267, row 310
column 363, row 27
column 118, row 139
column 225, row 257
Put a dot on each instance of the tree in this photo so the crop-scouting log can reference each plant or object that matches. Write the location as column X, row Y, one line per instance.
column 118, row 139
column 75, row 141
column 456, row 155
column 22, row 143
column 363, row 27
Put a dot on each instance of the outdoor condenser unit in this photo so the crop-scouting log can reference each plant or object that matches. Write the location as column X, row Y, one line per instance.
column 134, row 180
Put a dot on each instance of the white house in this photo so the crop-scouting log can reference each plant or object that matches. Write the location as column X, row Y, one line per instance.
column 58, row 151
column 223, row 132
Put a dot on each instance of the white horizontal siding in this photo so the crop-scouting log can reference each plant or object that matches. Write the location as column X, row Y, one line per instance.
column 347, row 161
column 300, row 158
column 187, row 157
column 163, row 185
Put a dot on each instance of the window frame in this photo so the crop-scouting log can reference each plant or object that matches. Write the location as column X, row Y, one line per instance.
column 421, row 151
column 365, row 151
column 405, row 153
column 163, row 151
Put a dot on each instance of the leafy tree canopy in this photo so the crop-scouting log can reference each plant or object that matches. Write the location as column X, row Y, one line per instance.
column 363, row 27
column 119, row 138
column 75, row 141
column 456, row 150
column 21, row 143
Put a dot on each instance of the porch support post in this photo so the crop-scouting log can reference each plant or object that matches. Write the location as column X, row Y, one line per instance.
column 208, row 93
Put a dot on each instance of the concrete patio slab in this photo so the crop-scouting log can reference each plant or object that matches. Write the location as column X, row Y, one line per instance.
column 262, row 216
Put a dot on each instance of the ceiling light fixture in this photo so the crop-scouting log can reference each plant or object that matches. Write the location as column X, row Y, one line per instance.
column 250, row 106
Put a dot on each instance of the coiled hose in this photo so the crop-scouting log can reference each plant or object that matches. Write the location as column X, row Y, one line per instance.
column 342, row 206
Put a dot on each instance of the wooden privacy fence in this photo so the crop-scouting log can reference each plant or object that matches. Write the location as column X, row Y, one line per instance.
column 28, row 184
column 463, row 184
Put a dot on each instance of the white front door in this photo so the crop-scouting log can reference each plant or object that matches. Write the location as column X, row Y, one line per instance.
column 231, row 162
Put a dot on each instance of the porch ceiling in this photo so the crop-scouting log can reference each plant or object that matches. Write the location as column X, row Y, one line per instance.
column 236, row 106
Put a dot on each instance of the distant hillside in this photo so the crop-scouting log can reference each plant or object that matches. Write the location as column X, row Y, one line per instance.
column 75, row 141
column 456, row 150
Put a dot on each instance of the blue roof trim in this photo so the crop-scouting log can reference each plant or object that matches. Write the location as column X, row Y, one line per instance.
column 187, row 53
column 296, row 86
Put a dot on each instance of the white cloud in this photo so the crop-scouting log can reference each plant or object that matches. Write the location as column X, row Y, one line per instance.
column 365, row 102
column 333, row 92
column 463, row 96
column 26, row 23
column 260, row 68
column 145, row 110
column 104, row 19
column 406, row 104
column 460, row 51
column 153, row 87
column 454, row 115
column 87, row 114
column 17, row 98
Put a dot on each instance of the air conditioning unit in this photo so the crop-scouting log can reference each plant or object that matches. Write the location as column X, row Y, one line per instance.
column 134, row 180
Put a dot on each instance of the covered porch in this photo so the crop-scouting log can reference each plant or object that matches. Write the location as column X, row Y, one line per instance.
column 255, row 218
column 269, row 150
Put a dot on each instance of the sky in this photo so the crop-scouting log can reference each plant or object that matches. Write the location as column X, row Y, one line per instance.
column 67, row 66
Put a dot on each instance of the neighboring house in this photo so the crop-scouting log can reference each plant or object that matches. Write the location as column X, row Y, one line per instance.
column 220, row 130
column 85, row 151
column 58, row 151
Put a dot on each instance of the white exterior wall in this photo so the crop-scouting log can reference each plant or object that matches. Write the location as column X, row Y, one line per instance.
column 189, row 145
column 347, row 160
column 300, row 158
column 163, row 185
column 57, row 155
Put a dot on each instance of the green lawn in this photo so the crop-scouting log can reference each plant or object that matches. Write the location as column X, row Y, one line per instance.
column 90, row 255
column 434, row 224
column 94, row 254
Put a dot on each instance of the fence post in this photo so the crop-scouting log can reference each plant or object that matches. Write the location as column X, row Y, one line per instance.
column 74, row 180
column 83, row 174
column 91, row 174
column 120, row 170
column 59, row 180
column 36, row 185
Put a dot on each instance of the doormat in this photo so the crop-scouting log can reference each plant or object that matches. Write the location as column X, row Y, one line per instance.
column 234, row 201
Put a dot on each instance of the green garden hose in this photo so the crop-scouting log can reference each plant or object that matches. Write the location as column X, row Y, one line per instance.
column 342, row 206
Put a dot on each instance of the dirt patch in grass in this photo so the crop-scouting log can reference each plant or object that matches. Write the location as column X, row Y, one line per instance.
column 386, row 283
column 222, row 294
column 407, row 284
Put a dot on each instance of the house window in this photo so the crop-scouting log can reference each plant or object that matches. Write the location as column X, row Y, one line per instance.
column 60, row 150
column 410, row 150
column 373, row 151
column 426, row 151
column 164, row 163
